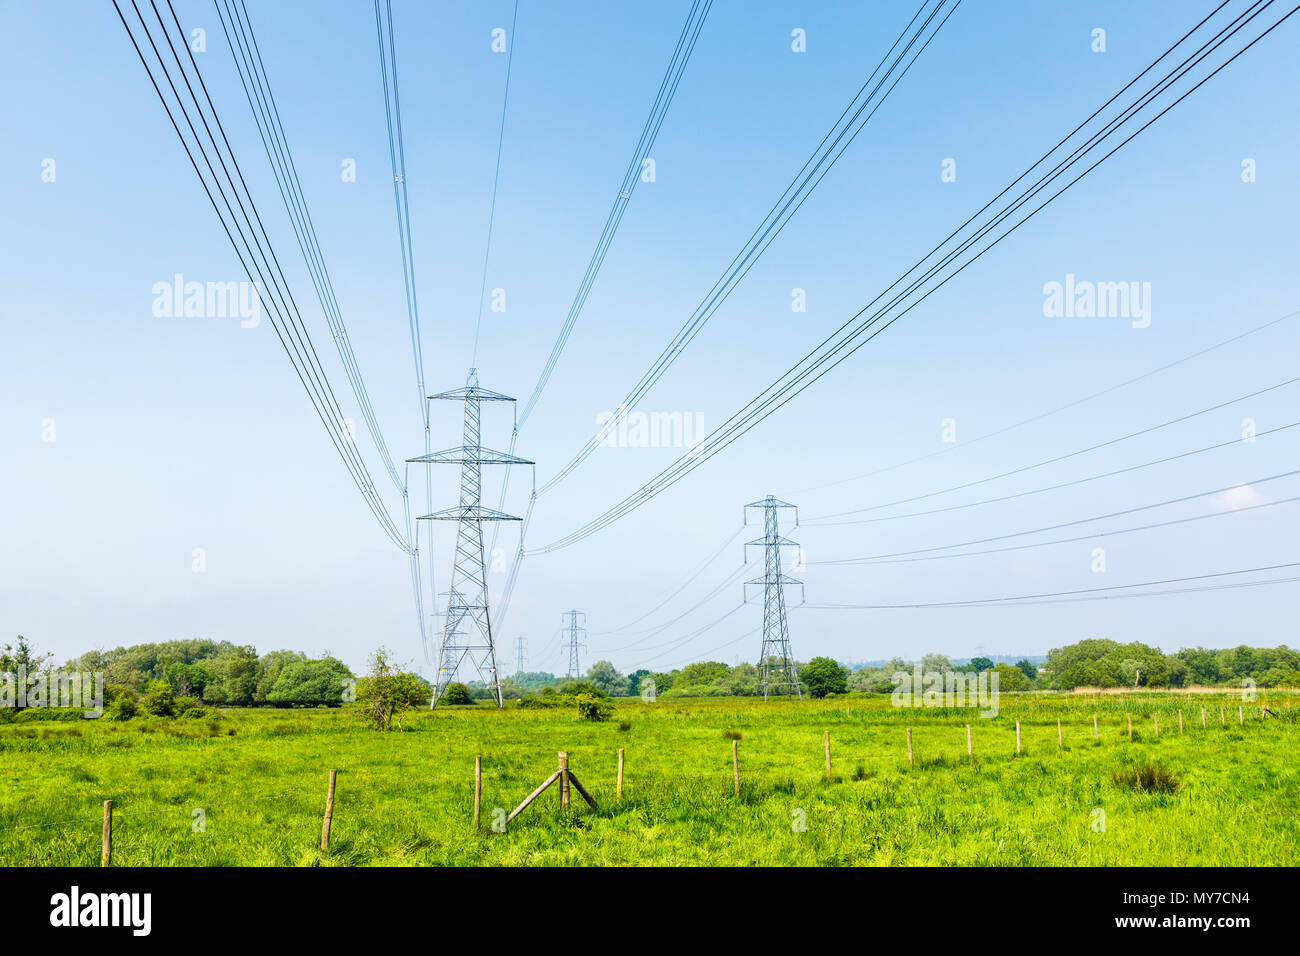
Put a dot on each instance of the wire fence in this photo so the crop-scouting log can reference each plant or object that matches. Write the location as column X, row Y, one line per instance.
column 921, row 747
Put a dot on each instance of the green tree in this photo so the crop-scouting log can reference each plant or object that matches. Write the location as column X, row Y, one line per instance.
column 1010, row 677
column 605, row 676
column 456, row 694
column 823, row 676
column 634, row 680
column 307, row 682
column 981, row 664
column 384, row 693
column 936, row 664
column 157, row 700
column 1028, row 668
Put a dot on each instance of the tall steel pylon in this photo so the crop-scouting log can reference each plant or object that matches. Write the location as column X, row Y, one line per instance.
column 775, row 661
column 467, row 627
column 522, row 655
column 575, row 669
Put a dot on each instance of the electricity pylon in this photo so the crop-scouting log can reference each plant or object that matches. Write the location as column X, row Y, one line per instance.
column 467, row 627
column 775, row 662
column 575, row 669
column 522, row 656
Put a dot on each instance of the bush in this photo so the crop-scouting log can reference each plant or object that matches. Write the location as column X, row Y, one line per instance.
column 823, row 676
column 1147, row 778
column 457, row 693
column 591, row 707
column 190, row 707
column 157, row 700
column 122, row 708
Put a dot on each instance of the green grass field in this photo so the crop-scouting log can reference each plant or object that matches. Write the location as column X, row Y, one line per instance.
column 406, row 798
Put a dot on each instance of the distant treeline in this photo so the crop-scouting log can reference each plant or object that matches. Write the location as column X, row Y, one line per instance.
column 219, row 673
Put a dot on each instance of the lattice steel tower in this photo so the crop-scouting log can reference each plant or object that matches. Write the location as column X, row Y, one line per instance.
column 575, row 669
column 467, row 629
column 775, row 662
column 522, row 656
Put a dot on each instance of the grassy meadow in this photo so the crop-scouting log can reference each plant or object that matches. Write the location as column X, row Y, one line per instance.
column 1219, row 795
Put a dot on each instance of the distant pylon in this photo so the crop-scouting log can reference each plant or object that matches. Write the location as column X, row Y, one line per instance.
column 575, row 669
column 467, row 627
column 775, row 661
column 522, row 658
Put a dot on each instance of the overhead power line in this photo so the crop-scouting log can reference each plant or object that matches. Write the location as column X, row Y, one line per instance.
column 845, row 130
column 1058, row 409
column 496, row 179
column 245, row 231
column 863, row 327
column 1064, row 524
column 826, row 520
column 1112, row 591
column 938, row 556
column 645, row 142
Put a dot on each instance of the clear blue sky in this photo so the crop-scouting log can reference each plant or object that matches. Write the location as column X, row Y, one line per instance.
column 174, row 434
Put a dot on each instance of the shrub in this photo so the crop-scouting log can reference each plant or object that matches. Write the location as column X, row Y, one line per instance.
column 1147, row 778
column 190, row 707
column 157, row 700
column 122, row 708
column 591, row 707
column 457, row 693
column 823, row 676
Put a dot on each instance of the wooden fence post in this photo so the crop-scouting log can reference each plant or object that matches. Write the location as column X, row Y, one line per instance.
column 1241, row 716
column 478, row 787
column 106, row 847
column 620, row 773
column 1202, row 716
column 1096, row 734
column 1130, row 726
column 564, row 780
column 1017, row 736
column 1060, row 739
column 827, row 738
column 329, row 812
column 909, row 747
column 970, row 751
column 1180, row 720
column 1156, row 717
column 1222, row 721
column 735, row 765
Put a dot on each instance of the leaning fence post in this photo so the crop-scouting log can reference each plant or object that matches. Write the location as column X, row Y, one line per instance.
column 620, row 773
column 909, row 747
column 735, row 765
column 106, row 848
column 329, row 812
column 564, row 780
column 478, row 787
column 1222, row 721
column 1241, row 716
